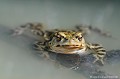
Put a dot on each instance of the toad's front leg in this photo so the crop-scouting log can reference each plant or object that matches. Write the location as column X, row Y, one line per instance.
column 98, row 52
column 40, row 46
column 35, row 28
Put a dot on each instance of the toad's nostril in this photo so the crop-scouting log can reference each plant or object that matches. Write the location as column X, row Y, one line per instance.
column 73, row 38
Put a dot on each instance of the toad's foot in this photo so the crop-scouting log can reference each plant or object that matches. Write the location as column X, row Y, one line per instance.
column 98, row 59
column 45, row 54
column 18, row 31
column 39, row 46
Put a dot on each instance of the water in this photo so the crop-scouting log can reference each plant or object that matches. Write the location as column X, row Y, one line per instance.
column 17, row 59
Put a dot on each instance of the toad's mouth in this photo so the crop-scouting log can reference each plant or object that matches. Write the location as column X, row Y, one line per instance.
column 69, row 46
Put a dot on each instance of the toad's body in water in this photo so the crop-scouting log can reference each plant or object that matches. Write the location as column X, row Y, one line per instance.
column 63, row 41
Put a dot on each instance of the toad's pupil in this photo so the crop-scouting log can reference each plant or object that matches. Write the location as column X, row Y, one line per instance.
column 79, row 38
column 65, row 39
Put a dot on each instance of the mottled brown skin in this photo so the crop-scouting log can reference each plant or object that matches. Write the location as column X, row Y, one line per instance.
column 63, row 41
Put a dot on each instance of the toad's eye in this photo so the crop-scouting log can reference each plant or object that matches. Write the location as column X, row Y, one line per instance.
column 79, row 38
column 58, row 39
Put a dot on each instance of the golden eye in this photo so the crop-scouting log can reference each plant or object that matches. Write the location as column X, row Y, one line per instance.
column 79, row 38
column 58, row 39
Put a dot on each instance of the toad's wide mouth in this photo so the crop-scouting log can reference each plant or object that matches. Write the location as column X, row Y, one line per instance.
column 69, row 46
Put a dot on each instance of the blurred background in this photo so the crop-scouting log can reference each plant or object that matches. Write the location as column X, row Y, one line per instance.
column 17, row 59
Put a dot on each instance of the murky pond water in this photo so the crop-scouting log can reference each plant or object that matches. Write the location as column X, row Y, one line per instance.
column 17, row 59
